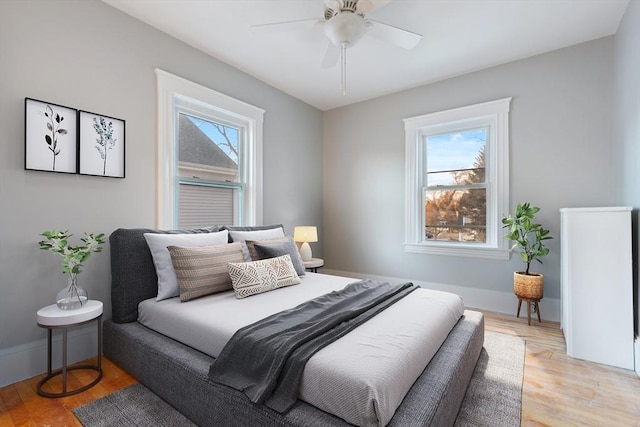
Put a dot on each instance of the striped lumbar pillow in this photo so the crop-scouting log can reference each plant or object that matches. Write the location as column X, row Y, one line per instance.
column 203, row 270
column 250, row 278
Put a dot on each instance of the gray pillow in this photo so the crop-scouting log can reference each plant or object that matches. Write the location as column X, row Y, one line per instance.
column 277, row 247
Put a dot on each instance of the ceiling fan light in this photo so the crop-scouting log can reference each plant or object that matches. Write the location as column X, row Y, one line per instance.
column 345, row 27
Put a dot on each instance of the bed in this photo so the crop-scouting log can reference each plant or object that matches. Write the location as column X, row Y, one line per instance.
column 178, row 369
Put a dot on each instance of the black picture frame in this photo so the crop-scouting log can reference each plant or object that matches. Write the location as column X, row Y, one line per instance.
column 50, row 137
column 101, row 150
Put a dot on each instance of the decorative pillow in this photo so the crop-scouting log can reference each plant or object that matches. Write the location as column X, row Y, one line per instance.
column 260, row 232
column 167, row 282
column 250, row 278
column 203, row 270
column 250, row 227
column 272, row 248
column 271, row 233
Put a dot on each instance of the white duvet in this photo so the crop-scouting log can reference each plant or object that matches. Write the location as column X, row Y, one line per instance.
column 362, row 377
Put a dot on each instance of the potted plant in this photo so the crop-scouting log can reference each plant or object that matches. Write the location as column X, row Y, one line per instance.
column 529, row 237
column 57, row 241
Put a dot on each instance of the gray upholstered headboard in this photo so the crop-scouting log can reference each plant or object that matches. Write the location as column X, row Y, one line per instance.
column 133, row 274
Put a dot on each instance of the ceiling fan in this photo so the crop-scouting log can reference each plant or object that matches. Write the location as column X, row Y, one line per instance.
column 344, row 25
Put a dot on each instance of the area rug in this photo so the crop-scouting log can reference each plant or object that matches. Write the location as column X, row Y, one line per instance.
column 494, row 395
column 132, row 406
column 492, row 399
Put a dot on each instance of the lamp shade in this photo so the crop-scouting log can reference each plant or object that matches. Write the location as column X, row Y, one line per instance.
column 305, row 234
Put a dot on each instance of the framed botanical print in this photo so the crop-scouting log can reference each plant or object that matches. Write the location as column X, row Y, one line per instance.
column 102, row 145
column 51, row 137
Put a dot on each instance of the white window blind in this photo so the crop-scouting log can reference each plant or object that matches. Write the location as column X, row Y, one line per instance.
column 203, row 206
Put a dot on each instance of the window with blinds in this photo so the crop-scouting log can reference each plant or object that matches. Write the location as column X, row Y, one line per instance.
column 209, row 184
column 209, row 156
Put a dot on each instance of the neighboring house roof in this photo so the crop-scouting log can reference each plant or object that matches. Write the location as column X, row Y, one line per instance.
column 196, row 147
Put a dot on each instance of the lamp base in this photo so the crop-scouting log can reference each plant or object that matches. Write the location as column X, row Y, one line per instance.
column 305, row 251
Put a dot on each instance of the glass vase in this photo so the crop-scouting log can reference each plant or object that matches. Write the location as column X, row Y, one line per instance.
column 72, row 297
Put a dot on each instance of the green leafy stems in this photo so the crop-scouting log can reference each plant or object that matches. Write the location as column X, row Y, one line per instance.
column 527, row 234
column 105, row 140
column 72, row 256
column 53, row 125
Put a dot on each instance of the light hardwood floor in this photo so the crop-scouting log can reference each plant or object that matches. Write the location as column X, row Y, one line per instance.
column 557, row 390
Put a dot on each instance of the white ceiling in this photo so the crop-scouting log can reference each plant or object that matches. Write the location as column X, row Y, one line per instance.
column 459, row 36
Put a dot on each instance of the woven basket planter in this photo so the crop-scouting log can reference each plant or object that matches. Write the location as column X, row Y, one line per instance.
column 528, row 286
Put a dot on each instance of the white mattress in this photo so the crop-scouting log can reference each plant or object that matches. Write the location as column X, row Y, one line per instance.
column 362, row 377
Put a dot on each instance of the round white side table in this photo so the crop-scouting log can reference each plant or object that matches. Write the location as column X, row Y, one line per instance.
column 313, row 264
column 51, row 317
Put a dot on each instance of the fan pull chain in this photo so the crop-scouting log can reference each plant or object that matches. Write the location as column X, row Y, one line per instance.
column 343, row 71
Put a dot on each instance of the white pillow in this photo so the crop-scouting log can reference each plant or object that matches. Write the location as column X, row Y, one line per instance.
column 244, row 235
column 167, row 281
column 271, row 233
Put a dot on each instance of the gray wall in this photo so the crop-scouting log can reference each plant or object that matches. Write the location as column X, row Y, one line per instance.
column 626, row 123
column 87, row 55
column 560, row 150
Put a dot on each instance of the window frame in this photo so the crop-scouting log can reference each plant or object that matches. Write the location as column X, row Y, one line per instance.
column 178, row 94
column 495, row 116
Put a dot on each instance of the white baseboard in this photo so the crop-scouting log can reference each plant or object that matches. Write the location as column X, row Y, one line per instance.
column 484, row 299
column 27, row 360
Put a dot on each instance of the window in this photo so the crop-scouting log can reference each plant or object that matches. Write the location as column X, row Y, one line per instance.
column 457, row 181
column 209, row 157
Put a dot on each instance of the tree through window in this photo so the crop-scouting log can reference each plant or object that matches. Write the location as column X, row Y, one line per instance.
column 456, row 194
column 457, row 182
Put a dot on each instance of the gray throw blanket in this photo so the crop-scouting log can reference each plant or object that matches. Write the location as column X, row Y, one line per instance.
column 265, row 360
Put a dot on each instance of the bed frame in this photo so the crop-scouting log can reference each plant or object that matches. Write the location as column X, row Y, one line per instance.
column 179, row 374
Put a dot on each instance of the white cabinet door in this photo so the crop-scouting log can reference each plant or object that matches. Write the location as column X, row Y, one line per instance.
column 597, row 290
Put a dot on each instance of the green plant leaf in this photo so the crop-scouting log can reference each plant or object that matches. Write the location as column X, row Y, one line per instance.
column 72, row 256
column 526, row 234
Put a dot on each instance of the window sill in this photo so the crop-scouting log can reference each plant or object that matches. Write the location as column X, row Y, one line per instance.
column 458, row 249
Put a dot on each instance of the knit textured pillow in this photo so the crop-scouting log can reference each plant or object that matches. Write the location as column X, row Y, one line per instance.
column 251, row 278
column 203, row 270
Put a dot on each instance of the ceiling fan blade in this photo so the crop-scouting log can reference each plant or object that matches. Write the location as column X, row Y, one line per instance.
column 331, row 56
column 385, row 32
column 285, row 26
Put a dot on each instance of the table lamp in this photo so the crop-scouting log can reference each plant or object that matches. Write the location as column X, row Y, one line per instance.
column 305, row 234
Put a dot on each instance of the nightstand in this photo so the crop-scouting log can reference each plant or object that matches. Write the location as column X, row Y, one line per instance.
column 51, row 317
column 313, row 264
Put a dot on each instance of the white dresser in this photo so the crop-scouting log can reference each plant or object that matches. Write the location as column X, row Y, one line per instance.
column 597, row 288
